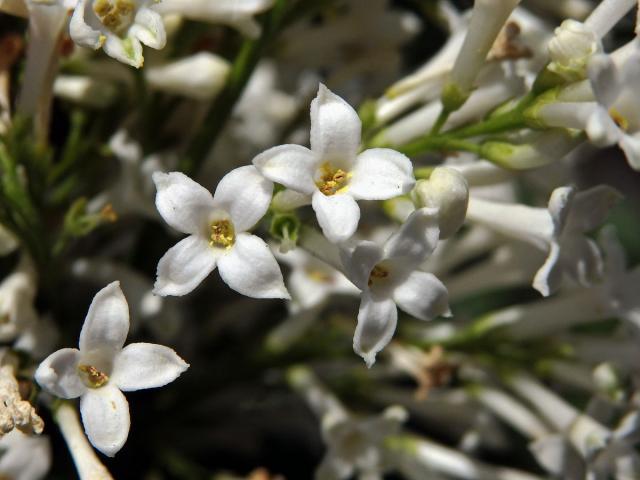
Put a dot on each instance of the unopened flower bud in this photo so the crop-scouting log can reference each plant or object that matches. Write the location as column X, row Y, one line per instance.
column 447, row 190
column 571, row 48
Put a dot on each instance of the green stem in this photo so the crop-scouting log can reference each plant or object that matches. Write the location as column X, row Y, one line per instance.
column 438, row 143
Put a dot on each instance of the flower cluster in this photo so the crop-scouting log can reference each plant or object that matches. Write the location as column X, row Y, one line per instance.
column 382, row 215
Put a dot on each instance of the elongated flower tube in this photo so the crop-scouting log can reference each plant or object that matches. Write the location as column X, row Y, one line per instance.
column 120, row 27
column 235, row 13
column 613, row 297
column 390, row 276
column 332, row 174
column 218, row 228
column 101, row 369
column 487, row 18
column 559, row 231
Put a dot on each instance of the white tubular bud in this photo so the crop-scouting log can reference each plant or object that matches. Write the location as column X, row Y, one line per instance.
column 607, row 14
column 448, row 192
column 571, row 48
column 487, row 18
column 200, row 76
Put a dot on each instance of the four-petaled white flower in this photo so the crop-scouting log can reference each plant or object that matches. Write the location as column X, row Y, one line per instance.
column 119, row 26
column 332, row 174
column 616, row 119
column 101, row 369
column 390, row 276
column 560, row 230
column 218, row 234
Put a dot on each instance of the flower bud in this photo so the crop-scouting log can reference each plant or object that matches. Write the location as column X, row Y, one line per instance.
column 571, row 48
column 447, row 190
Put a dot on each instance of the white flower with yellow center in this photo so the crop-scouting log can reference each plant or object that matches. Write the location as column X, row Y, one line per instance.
column 118, row 26
column 389, row 276
column 101, row 369
column 218, row 234
column 332, row 174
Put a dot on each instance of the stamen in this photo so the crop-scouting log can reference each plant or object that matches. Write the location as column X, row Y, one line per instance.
column 93, row 377
column 222, row 234
column 114, row 14
column 332, row 180
column 619, row 120
column 377, row 273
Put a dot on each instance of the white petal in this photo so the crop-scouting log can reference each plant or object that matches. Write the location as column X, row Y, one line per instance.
column 335, row 127
column 245, row 194
column 184, row 266
column 423, row 296
column 80, row 32
column 338, row 215
column 128, row 50
column 182, row 203
column 58, row 374
column 105, row 416
column 416, row 239
column 590, row 208
column 381, row 173
column 549, row 277
column 287, row 200
column 251, row 269
column 559, row 207
column 605, row 79
column 149, row 28
column 582, row 260
column 290, row 165
column 107, row 322
column 601, row 128
column 630, row 144
column 359, row 262
column 146, row 365
column 377, row 320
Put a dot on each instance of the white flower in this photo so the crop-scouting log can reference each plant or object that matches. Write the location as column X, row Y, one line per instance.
column 235, row 13
column 200, row 76
column 355, row 445
column 617, row 117
column 101, row 369
column 559, row 231
column 332, row 173
column 390, row 276
column 118, row 26
column 24, row 457
column 218, row 234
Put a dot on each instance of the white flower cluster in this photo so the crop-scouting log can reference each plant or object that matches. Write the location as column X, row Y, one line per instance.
column 460, row 208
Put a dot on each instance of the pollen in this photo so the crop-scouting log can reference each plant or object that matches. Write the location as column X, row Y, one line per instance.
column 116, row 15
column 332, row 180
column 319, row 276
column 377, row 273
column 619, row 120
column 222, row 234
column 93, row 377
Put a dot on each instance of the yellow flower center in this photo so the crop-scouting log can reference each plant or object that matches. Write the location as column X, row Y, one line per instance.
column 378, row 273
column 319, row 275
column 619, row 120
column 332, row 180
column 222, row 234
column 116, row 15
column 93, row 377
